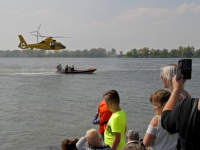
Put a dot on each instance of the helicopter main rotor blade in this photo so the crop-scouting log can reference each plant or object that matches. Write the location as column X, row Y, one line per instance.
column 33, row 31
column 39, row 28
column 39, row 34
column 51, row 36
column 60, row 37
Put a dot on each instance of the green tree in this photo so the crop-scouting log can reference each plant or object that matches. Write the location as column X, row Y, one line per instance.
column 144, row 52
column 15, row 53
column 113, row 51
column 77, row 53
column 109, row 54
column 121, row 53
column 154, row 53
column 132, row 53
column 86, row 53
column 187, row 52
column 173, row 53
column 164, row 53
column 198, row 53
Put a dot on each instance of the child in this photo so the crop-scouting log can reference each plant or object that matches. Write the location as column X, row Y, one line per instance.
column 116, row 127
column 68, row 144
column 156, row 137
column 102, row 116
column 94, row 141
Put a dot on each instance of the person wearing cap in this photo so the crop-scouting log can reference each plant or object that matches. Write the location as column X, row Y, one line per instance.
column 132, row 137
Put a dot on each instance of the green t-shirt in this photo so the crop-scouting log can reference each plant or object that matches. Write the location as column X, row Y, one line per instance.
column 117, row 124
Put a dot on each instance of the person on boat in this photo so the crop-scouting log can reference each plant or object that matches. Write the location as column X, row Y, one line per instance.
column 101, row 118
column 69, row 69
column 156, row 137
column 66, row 68
column 72, row 68
column 59, row 67
column 166, row 74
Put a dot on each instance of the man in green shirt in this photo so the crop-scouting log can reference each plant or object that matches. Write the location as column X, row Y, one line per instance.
column 116, row 127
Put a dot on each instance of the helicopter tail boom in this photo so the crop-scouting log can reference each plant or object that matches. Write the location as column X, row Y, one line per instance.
column 22, row 44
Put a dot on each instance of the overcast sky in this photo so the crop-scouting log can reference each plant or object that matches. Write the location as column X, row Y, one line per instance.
column 119, row 24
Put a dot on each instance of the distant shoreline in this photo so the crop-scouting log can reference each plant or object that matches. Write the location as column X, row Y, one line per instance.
column 181, row 52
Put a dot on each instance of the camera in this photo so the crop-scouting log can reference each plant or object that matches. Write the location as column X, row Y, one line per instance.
column 185, row 68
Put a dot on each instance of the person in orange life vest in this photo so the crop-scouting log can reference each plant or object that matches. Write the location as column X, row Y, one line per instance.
column 101, row 117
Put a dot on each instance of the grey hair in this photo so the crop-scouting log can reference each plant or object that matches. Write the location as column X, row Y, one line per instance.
column 168, row 72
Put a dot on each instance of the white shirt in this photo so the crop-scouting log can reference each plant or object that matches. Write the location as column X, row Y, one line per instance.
column 163, row 139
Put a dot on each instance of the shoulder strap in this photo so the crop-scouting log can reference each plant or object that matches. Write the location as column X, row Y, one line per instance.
column 105, row 122
column 101, row 147
column 191, row 124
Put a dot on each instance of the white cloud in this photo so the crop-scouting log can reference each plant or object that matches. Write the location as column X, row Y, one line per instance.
column 194, row 8
column 141, row 12
column 98, row 25
column 44, row 12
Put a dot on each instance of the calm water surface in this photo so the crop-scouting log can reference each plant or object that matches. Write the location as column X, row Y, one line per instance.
column 39, row 108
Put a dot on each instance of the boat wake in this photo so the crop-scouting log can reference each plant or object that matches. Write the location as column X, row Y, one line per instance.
column 27, row 73
column 33, row 73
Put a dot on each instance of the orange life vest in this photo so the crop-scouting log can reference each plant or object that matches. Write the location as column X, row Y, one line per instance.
column 104, row 115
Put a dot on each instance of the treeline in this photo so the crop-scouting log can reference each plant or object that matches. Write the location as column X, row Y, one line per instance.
column 181, row 52
column 99, row 52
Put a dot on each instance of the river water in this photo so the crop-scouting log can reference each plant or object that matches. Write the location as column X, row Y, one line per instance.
column 39, row 108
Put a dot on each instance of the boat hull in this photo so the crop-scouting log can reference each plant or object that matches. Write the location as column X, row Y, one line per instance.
column 86, row 71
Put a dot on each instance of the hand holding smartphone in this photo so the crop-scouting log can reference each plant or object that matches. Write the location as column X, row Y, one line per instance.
column 185, row 68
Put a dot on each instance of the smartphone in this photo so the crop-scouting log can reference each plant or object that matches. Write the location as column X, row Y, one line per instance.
column 185, row 68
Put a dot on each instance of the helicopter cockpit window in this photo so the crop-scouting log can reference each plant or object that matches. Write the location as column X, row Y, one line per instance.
column 52, row 45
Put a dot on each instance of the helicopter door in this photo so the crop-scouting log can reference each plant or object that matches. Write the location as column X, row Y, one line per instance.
column 52, row 45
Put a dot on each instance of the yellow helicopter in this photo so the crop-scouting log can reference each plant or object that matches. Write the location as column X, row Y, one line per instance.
column 47, row 44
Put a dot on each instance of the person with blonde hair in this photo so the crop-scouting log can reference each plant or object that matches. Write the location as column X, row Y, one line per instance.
column 93, row 140
column 156, row 137
column 166, row 74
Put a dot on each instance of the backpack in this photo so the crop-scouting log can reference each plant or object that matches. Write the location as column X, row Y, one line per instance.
column 186, row 143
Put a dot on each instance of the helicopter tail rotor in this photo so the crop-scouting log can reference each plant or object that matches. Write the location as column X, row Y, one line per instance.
column 22, row 44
